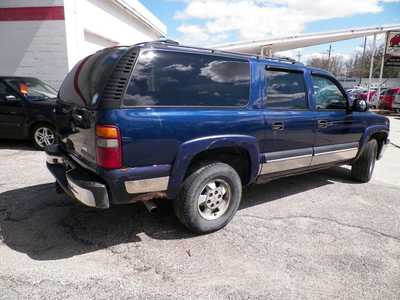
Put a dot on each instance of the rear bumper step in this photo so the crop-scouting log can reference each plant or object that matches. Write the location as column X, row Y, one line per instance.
column 75, row 182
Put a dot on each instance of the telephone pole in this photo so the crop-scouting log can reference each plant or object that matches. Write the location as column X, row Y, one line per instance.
column 362, row 60
column 329, row 56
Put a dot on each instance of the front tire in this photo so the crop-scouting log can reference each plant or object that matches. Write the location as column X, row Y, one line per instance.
column 43, row 135
column 363, row 168
column 209, row 198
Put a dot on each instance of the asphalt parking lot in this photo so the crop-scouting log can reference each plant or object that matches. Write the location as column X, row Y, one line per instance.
column 312, row 236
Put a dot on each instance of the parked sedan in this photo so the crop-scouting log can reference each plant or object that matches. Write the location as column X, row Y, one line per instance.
column 26, row 110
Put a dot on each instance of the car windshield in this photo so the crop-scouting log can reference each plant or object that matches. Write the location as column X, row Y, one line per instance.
column 32, row 88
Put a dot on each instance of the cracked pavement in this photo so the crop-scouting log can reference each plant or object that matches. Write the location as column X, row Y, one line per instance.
column 312, row 236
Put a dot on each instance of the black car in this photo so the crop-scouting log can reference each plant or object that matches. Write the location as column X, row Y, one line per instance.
column 27, row 110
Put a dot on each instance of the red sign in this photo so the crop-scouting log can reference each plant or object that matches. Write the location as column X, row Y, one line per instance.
column 37, row 13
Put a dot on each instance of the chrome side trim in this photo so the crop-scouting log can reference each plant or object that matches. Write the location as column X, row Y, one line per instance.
column 53, row 159
column 284, row 164
column 83, row 195
column 147, row 185
column 335, row 147
column 332, row 156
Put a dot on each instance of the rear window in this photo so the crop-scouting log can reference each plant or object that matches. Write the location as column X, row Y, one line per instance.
column 163, row 78
column 84, row 83
column 392, row 92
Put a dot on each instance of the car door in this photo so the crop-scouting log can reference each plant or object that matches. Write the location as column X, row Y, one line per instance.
column 338, row 130
column 289, row 136
column 12, row 113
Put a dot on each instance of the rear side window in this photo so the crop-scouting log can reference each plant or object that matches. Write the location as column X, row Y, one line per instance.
column 285, row 90
column 163, row 78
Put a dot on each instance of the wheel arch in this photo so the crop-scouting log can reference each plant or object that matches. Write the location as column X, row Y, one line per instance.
column 38, row 122
column 217, row 148
column 378, row 132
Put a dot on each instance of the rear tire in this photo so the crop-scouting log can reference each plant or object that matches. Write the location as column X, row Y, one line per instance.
column 209, row 198
column 363, row 168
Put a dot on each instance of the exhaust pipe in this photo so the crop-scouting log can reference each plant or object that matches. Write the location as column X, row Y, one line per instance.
column 150, row 205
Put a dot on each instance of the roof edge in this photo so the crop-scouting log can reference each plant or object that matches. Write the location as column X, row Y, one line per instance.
column 139, row 11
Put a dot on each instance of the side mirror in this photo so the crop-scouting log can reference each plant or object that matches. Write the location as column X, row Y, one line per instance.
column 11, row 98
column 360, row 105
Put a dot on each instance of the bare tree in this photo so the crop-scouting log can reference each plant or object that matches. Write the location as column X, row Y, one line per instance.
column 355, row 66
column 336, row 64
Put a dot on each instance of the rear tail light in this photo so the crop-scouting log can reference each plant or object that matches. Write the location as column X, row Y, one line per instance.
column 108, row 147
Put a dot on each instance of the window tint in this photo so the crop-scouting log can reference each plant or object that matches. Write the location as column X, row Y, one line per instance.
column 32, row 88
column 181, row 79
column 285, row 90
column 327, row 95
column 391, row 92
column 5, row 91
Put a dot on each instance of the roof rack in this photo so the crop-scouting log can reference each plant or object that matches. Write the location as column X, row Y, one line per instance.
column 166, row 41
column 283, row 59
column 173, row 43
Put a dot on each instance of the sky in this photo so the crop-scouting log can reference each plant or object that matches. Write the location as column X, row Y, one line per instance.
column 211, row 22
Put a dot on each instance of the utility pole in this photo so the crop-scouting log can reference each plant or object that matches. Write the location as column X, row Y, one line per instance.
column 371, row 66
column 329, row 56
column 362, row 60
column 382, row 64
column 299, row 56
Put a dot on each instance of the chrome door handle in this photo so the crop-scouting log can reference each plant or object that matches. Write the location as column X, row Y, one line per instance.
column 278, row 126
column 322, row 124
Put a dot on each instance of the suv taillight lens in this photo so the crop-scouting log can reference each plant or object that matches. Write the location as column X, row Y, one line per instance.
column 108, row 147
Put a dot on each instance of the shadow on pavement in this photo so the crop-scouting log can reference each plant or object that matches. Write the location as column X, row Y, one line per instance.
column 16, row 145
column 48, row 226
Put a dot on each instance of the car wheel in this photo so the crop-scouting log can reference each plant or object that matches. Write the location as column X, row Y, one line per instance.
column 43, row 135
column 363, row 167
column 209, row 198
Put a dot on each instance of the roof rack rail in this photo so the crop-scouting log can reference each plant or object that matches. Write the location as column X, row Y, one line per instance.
column 166, row 41
column 283, row 59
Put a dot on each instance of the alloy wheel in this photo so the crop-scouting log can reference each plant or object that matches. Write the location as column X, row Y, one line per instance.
column 44, row 136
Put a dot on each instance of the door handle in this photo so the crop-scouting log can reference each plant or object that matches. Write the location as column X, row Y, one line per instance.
column 278, row 126
column 12, row 112
column 322, row 124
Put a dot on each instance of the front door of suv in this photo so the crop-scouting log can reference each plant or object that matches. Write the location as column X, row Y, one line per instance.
column 290, row 129
column 12, row 113
column 338, row 129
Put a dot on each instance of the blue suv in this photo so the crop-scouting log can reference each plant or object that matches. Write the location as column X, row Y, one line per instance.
column 196, row 125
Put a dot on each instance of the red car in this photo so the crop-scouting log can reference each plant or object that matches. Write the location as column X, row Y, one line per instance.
column 364, row 96
column 387, row 98
column 395, row 41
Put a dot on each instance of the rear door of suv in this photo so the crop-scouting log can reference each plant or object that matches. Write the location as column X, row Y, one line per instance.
column 95, row 83
column 289, row 136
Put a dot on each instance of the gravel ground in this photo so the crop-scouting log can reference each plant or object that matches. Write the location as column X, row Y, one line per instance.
column 312, row 236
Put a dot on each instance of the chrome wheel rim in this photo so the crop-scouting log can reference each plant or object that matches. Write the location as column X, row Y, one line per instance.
column 44, row 136
column 214, row 199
